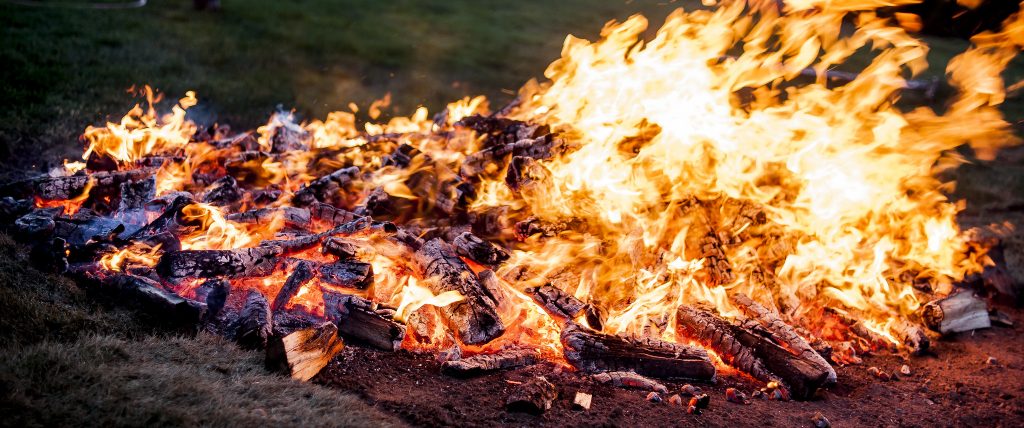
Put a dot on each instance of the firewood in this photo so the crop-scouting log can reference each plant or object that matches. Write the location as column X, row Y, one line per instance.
column 860, row 330
column 802, row 374
column 347, row 274
column 238, row 263
column 330, row 214
column 223, row 192
column 38, row 223
column 492, row 159
column 485, row 253
column 590, row 351
column 11, row 209
column 131, row 206
column 784, row 334
column 347, row 249
column 582, row 401
column 300, row 276
column 478, row 364
column 254, row 325
column 524, row 172
column 557, row 302
column 294, row 217
column 69, row 187
column 912, row 336
column 86, row 226
column 156, row 300
column 474, row 319
column 303, row 353
column 164, row 223
column 534, row 396
column 296, row 244
column 215, row 293
column 335, row 189
column 715, row 333
column 956, row 313
column 629, row 380
column 362, row 320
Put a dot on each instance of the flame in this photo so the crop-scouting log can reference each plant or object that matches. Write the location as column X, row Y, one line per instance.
column 136, row 254
column 415, row 296
column 142, row 132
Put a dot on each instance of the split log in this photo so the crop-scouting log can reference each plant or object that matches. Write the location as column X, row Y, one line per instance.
column 956, row 313
column 131, row 206
column 72, row 186
column 86, row 226
column 784, row 334
column 803, row 375
column 630, row 380
column 292, row 216
column 254, row 325
column 363, row 320
column 333, row 189
column 475, row 319
column 243, row 262
column 590, row 351
column 912, row 336
column 478, row 364
column 556, row 302
column 715, row 333
column 582, row 401
column 300, row 276
column 347, row 274
column 303, row 353
column 534, row 396
column 156, row 300
column 485, row 253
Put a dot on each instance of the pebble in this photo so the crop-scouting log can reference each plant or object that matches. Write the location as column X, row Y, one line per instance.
column 654, row 397
column 991, row 361
column 905, row 370
column 690, row 390
column 878, row 373
column 703, row 401
column 675, row 400
column 820, row 421
column 734, row 396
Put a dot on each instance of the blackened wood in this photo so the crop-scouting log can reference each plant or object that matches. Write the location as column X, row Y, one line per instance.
column 474, row 319
column 483, row 363
column 347, row 274
column 523, row 172
column 156, row 300
column 237, row 263
column 223, row 192
column 360, row 319
column 401, row 157
column 85, row 226
column 345, row 249
column 69, row 187
column 296, row 244
column 292, row 216
column 131, row 206
column 50, row 255
column 556, row 302
column 334, row 189
column 591, row 352
column 255, row 322
column 164, row 223
column 330, row 214
column 37, row 224
column 303, row 353
column 478, row 250
column 784, row 333
column 629, row 380
column 715, row 333
column 300, row 276
column 11, row 209
column 956, row 313
column 911, row 336
column 533, row 396
column 215, row 293
column 492, row 159
column 801, row 374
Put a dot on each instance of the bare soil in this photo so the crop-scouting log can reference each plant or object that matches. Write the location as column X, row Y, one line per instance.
column 953, row 386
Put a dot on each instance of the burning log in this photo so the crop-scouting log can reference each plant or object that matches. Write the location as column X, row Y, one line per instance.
column 330, row 214
column 223, row 192
column 534, row 396
column 303, row 353
column 803, row 375
column 294, row 217
column 165, row 223
column 215, row 292
column 346, row 249
column 475, row 319
column 492, row 159
column 860, row 330
column 132, row 203
column 72, row 186
column 557, row 302
column 215, row 263
column 912, row 336
column 38, row 223
column 956, row 313
column 347, row 274
column 590, row 351
column 254, row 325
column 629, row 380
column 300, row 276
column 332, row 189
column 295, row 245
column 716, row 334
column 85, row 226
column 478, row 364
column 485, row 253
column 155, row 299
column 362, row 320
column 785, row 334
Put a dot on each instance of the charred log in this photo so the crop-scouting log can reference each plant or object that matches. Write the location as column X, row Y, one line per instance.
column 294, row 217
column 784, row 334
column 363, row 320
column 557, row 302
column 716, row 334
column 485, row 253
column 956, row 313
column 300, row 276
column 255, row 322
column 348, row 274
column 483, row 363
column 223, row 192
column 330, row 214
column 630, row 380
column 72, row 186
column 475, row 319
column 303, row 353
column 156, row 300
column 238, row 263
column 346, row 249
column 803, row 375
column 534, row 396
column 912, row 336
column 335, row 189
column 215, row 293
column 590, row 351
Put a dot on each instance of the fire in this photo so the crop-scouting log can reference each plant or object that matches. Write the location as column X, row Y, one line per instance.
column 696, row 165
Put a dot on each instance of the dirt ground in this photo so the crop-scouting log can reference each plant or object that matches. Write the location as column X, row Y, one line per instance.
column 953, row 386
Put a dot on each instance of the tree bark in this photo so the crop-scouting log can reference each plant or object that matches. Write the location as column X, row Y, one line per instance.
column 254, row 322
column 956, row 313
